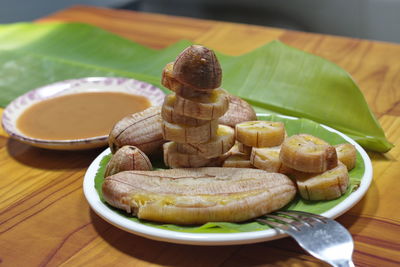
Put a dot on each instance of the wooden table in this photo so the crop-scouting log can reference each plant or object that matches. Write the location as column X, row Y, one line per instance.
column 45, row 219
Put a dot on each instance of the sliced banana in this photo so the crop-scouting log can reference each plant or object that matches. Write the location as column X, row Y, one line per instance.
column 328, row 185
column 238, row 161
column 208, row 106
column 243, row 148
column 128, row 158
column 189, row 134
column 260, row 133
column 220, row 144
column 307, row 153
column 266, row 158
column 174, row 159
column 347, row 154
column 169, row 81
column 168, row 114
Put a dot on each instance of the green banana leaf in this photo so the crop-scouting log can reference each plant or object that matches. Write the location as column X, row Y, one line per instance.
column 292, row 127
column 274, row 78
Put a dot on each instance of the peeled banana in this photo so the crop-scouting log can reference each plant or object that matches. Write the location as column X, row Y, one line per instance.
column 175, row 159
column 198, row 195
column 266, row 158
column 260, row 133
column 207, row 107
column 218, row 145
column 243, row 148
column 169, row 114
column 328, row 185
column 128, row 158
column 238, row 111
column 142, row 129
column 189, row 134
column 347, row 154
column 307, row 153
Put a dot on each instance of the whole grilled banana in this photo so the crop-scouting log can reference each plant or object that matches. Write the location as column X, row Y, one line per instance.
column 218, row 145
column 198, row 195
column 189, row 134
column 328, row 185
column 260, row 133
column 128, row 158
column 347, row 154
column 142, row 129
column 175, row 159
column 307, row 153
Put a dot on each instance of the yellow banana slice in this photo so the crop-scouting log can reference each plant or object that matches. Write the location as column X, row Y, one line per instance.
column 209, row 106
column 260, row 133
column 189, row 134
column 266, row 158
column 347, row 154
column 168, row 114
column 238, row 161
column 220, row 144
column 307, row 153
column 328, row 185
column 174, row 159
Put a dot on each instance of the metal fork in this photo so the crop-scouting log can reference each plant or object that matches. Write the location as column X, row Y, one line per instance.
column 322, row 237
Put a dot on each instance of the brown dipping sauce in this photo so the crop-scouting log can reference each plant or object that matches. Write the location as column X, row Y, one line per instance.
column 79, row 116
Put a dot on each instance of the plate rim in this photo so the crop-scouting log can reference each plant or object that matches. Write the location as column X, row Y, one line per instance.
column 215, row 238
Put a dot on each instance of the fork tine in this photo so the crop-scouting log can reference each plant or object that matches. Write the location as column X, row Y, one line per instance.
column 278, row 222
column 301, row 214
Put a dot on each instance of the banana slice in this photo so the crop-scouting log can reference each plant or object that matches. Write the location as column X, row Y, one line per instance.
column 183, row 90
column 328, row 185
column 266, row 158
column 243, row 148
column 186, row 134
column 260, row 133
column 168, row 114
column 347, row 154
column 208, row 106
column 128, row 158
column 307, row 153
column 174, row 159
column 238, row 161
column 220, row 144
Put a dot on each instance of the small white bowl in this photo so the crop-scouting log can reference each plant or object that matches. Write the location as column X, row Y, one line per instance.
column 90, row 84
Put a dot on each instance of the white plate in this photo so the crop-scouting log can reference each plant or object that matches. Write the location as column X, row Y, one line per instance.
column 90, row 84
column 212, row 238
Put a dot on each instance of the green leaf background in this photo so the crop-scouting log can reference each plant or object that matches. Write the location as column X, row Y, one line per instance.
column 292, row 127
column 274, row 78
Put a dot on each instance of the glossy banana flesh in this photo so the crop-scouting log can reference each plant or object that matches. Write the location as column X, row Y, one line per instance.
column 198, row 195
column 328, row 185
column 266, row 158
column 307, row 153
column 260, row 133
column 347, row 154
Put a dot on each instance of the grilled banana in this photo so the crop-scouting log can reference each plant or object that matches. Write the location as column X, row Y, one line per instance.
column 307, row 153
column 237, row 161
column 175, row 159
column 266, row 158
column 198, row 195
column 243, row 148
column 328, row 185
column 142, row 129
column 218, row 145
column 189, row 134
column 198, row 67
column 347, row 154
column 238, row 111
column 128, row 158
column 260, row 133
column 209, row 106
column 168, row 114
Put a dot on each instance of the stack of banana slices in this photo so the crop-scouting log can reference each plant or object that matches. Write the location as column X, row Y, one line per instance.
column 319, row 169
column 190, row 115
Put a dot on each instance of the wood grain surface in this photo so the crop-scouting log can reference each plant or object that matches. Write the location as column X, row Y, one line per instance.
column 46, row 221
